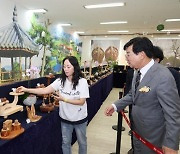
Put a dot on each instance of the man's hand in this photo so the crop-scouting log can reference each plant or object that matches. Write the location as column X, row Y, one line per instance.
column 109, row 111
column 167, row 150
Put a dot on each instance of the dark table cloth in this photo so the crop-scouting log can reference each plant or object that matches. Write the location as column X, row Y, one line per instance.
column 44, row 136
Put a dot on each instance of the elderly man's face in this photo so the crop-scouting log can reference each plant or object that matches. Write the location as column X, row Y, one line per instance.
column 134, row 60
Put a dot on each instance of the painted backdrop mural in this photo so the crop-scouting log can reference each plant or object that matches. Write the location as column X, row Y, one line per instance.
column 53, row 46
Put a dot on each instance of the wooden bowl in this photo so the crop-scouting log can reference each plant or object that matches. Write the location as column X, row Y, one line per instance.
column 47, row 107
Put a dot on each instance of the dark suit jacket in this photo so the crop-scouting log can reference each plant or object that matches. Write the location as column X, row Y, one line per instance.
column 155, row 112
column 176, row 76
column 129, row 77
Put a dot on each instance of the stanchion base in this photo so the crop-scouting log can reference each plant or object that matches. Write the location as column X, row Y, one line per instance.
column 125, row 111
column 115, row 128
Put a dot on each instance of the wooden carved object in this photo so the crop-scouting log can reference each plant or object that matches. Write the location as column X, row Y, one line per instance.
column 111, row 53
column 31, row 114
column 10, row 130
column 47, row 107
column 98, row 54
column 7, row 108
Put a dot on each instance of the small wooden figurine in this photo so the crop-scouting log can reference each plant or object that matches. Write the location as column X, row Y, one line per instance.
column 31, row 114
column 11, row 130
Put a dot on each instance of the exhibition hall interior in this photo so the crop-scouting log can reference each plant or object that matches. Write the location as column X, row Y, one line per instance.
column 35, row 38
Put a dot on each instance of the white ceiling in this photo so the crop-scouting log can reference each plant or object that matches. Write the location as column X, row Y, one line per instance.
column 143, row 16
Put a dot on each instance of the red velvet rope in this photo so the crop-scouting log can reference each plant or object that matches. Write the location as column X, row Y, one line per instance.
column 148, row 144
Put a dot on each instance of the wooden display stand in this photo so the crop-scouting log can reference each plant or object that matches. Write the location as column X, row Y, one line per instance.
column 10, row 108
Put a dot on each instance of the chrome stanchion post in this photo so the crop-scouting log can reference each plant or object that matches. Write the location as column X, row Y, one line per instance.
column 119, row 129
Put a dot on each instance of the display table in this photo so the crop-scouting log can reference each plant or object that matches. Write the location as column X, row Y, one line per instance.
column 44, row 136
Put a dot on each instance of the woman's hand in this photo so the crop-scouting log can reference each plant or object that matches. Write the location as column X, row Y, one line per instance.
column 21, row 89
column 58, row 97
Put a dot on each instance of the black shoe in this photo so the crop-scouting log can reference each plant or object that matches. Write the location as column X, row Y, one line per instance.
column 130, row 151
column 130, row 133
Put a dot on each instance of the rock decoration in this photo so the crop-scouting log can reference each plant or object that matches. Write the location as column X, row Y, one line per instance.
column 31, row 99
column 111, row 53
column 98, row 54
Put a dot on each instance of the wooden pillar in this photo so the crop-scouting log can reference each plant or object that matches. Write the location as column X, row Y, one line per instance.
column 20, row 68
column 25, row 63
column 30, row 62
column 12, row 69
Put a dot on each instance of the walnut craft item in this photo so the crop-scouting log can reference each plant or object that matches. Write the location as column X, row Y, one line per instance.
column 3, row 101
column 11, row 130
column 98, row 54
column 47, row 107
column 56, row 103
column 7, row 108
column 31, row 114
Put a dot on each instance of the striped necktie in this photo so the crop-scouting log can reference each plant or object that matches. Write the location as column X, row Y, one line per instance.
column 138, row 77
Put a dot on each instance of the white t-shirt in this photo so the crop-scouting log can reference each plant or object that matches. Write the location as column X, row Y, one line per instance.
column 68, row 111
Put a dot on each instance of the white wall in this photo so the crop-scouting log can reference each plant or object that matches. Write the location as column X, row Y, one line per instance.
column 6, row 15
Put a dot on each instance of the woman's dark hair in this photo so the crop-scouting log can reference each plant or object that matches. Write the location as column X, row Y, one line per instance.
column 141, row 44
column 77, row 71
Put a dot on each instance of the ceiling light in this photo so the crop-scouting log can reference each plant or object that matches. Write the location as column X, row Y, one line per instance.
column 64, row 24
column 169, row 20
column 39, row 10
column 118, row 31
column 166, row 38
column 78, row 32
column 104, row 5
column 113, row 22
column 170, row 30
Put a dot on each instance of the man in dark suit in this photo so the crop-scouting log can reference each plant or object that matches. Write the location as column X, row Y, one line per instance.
column 158, row 56
column 156, row 103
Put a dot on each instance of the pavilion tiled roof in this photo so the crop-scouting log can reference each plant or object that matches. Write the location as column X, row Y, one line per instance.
column 14, row 42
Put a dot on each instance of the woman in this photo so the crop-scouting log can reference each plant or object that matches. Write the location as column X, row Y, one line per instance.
column 73, row 91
